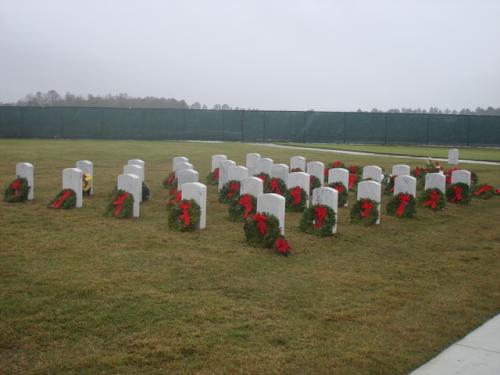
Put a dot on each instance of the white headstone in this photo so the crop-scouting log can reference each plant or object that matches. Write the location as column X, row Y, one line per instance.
column 461, row 175
column 132, row 184
column 137, row 162
column 373, row 172
column 338, row 175
column 252, row 185
column 72, row 179
column 224, row 172
column 251, row 162
column 179, row 159
column 134, row 169
column 405, row 184
column 87, row 167
column 197, row 192
column 273, row 204
column 400, row 170
column 179, row 166
column 280, row 171
column 25, row 170
column 299, row 179
column 216, row 160
column 435, row 181
column 329, row 197
column 453, row 156
column 263, row 165
column 317, row 169
column 371, row 190
column 186, row 175
column 237, row 173
column 298, row 162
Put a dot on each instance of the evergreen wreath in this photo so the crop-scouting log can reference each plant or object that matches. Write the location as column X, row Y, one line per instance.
column 318, row 220
column 484, row 191
column 402, row 205
column 389, row 185
column 184, row 216
column 229, row 192
column 263, row 230
column 458, row 193
column 242, row 208
column 264, row 177
column 433, row 199
column 175, row 196
column 121, row 205
column 275, row 185
column 314, row 182
column 364, row 211
column 86, row 184
column 65, row 199
column 213, row 177
column 343, row 195
column 296, row 199
column 145, row 192
column 17, row 190
column 170, row 181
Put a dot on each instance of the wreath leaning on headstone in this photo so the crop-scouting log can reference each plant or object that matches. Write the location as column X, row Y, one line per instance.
column 17, row 190
column 213, row 177
column 342, row 190
column 275, row 185
column 458, row 193
column 484, row 191
column 296, row 199
column 433, row 199
column 184, row 216
column 264, row 177
column 314, row 182
column 263, row 230
column 242, row 208
column 318, row 220
column 170, row 181
column 402, row 205
column 364, row 211
column 65, row 199
column 86, row 184
column 389, row 185
column 121, row 205
column 229, row 192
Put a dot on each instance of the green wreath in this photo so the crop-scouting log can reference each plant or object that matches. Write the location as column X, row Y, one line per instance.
column 296, row 200
column 213, row 177
column 17, row 190
column 433, row 199
column 458, row 193
column 343, row 195
column 308, row 221
column 264, row 177
column 402, row 205
column 357, row 212
column 314, row 182
column 237, row 208
column 483, row 191
column 389, row 185
column 230, row 191
column 184, row 216
column 121, row 205
column 65, row 199
column 275, row 185
column 170, row 181
column 253, row 234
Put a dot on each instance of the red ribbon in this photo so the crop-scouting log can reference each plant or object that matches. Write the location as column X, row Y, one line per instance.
column 353, row 169
column 185, row 206
column 366, row 208
column 282, row 246
column 262, row 176
column 433, row 200
column 234, row 188
column 319, row 215
column 417, row 171
column 261, row 222
column 275, row 186
column 16, row 186
column 339, row 187
column 296, row 194
column 119, row 202
column 246, row 202
column 483, row 189
column 404, row 199
column 61, row 199
column 457, row 191
column 497, row 191
column 352, row 180
column 337, row 164
column 178, row 198
column 215, row 174
column 171, row 178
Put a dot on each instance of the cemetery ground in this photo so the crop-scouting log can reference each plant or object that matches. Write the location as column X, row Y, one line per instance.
column 84, row 294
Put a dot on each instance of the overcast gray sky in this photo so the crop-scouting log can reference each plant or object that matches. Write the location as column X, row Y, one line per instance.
column 293, row 54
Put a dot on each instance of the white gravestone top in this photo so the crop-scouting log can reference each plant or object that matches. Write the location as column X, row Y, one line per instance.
column 371, row 190
column 72, row 179
column 224, row 172
column 264, row 165
column 298, row 162
column 338, row 175
column 373, row 172
column 186, row 175
column 251, row 162
column 461, row 175
column 400, row 170
column 131, row 183
column 198, row 192
column 435, row 181
column 453, row 156
column 25, row 170
column 317, row 169
column 179, row 159
column 329, row 197
column 273, row 204
column 237, row 173
column 405, row 184
column 182, row 165
column 137, row 162
column 216, row 160
column 134, row 169
column 279, row 171
column 252, row 185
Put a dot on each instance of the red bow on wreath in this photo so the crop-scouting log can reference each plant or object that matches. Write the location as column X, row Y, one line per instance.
column 261, row 223
column 366, row 208
column 282, row 246
column 171, row 178
column 433, row 200
column 215, row 174
column 275, row 186
column 352, row 180
column 296, row 194
column 340, row 188
column 417, row 171
column 16, row 186
column 262, row 176
column 178, row 198
column 234, row 188
column 246, row 202
column 457, row 191
column 483, row 189
column 404, row 199
column 319, row 216
column 119, row 202
column 185, row 206
column 61, row 199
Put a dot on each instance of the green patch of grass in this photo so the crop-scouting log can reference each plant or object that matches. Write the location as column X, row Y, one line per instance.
column 469, row 153
column 85, row 294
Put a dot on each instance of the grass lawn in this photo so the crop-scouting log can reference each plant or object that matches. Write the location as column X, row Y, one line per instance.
column 85, row 294
column 486, row 154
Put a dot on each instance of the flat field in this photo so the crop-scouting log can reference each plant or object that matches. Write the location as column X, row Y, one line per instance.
column 85, row 294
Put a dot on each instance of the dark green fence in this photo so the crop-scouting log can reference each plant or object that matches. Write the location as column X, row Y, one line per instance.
column 249, row 126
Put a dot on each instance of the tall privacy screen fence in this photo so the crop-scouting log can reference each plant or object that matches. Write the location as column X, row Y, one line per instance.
column 248, row 126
